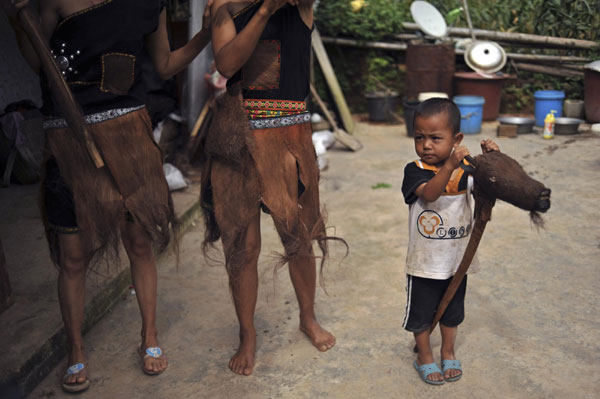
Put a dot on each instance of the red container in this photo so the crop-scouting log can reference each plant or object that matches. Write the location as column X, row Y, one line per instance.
column 592, row 95
column 487, row 86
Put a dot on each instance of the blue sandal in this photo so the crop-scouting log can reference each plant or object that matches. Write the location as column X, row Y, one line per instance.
column 425, row 370
column 451, row 365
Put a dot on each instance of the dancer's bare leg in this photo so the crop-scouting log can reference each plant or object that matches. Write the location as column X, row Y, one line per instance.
column 138, row 245
column 244, row 287
column 303, row 273
column 74, row 259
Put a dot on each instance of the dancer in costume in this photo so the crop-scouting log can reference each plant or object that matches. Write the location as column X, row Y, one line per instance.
column 259, row 154
column 98, row 45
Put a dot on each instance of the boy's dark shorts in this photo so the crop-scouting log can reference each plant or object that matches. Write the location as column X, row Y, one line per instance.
column 423, row 298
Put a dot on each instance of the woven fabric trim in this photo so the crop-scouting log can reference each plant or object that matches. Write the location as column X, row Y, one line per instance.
column 283, row 121
column 92, row 119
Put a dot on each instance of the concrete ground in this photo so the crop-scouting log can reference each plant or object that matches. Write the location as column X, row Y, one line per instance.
column 531, row 328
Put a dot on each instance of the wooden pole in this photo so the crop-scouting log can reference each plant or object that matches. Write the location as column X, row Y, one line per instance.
column 5, row 289
column 483, row 215
column 549, row 41
column 332, row 82
column 564, row 72
column 402, row 47
column 340, row 135
column 67, row 105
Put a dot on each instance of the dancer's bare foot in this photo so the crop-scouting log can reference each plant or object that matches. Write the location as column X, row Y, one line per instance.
column 243, row 361
column 322, row 339
column 156, row 363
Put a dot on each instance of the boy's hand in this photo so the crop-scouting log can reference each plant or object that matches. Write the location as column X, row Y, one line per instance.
column 489, row 145
column 456, row 157
column 12, row 7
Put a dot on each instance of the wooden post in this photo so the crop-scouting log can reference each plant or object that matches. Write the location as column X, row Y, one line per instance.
column 5, row 290
column 332, row 82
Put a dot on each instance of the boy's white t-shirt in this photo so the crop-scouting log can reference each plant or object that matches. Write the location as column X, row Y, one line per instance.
column 440, row 230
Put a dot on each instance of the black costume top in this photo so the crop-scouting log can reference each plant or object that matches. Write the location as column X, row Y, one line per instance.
column 99, row 51
column 279, row 68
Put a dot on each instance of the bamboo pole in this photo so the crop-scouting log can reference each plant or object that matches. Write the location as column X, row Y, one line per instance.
column 332, row 82
column 548, row 70
column 549, row 41
column 402, row 47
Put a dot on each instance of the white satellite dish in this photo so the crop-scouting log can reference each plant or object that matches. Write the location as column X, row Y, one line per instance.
column 429, row 19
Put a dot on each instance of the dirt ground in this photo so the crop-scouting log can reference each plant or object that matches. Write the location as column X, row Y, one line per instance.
column 531, row 328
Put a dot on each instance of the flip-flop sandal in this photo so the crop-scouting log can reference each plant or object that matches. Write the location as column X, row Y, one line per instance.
column 153, row 351
column 448, row 364
column 77, row 386
column 425, row 370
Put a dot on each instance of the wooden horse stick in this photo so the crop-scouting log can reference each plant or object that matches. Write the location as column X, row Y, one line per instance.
column 60, row 90
column 483, row 214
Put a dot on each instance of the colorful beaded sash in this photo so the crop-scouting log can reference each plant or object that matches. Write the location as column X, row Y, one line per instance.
column 262, row 109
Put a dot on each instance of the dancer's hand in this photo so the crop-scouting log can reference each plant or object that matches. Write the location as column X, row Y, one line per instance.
column 207, row 16
column 271, row 6
column 12, row 7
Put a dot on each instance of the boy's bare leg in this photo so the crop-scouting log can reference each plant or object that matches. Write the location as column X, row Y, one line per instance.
column 303, row 273
column 244, row 286
column 74, row 260
column 448, row 340
column 425, row 355
column 138, row 245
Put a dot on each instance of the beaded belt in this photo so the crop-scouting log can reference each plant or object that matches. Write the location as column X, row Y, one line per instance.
column 59, row 123
column 266, row 113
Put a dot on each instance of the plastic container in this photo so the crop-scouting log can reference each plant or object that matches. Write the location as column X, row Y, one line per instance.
column 426, row 95
column 471, row 113
column 381, row 107
column 549, row 125
column 409, row 116
column 573, row 109
column 488, row 86
column 546, row 101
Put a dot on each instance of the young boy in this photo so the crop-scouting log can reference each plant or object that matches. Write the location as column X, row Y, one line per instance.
column 437, row 188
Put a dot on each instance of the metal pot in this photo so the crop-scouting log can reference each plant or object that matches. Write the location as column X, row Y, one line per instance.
column 566, row 125
column 524, row 125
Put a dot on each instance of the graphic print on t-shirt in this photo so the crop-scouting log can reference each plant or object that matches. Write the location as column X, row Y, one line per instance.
column 430, row 224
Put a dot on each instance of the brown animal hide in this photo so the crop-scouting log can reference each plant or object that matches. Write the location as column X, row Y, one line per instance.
column 229, row 137
column 499, row 176
column 132, row 180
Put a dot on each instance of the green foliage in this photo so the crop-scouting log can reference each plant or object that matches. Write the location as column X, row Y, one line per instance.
column 382, row 73
column 577, row 19
column 374, row 21
column 361, row 70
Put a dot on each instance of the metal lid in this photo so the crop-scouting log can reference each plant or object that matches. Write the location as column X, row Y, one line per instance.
column 485, row 56
column 429, row 19
column 595, row 65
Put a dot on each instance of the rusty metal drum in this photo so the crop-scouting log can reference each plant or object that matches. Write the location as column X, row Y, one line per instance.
column 429, row 67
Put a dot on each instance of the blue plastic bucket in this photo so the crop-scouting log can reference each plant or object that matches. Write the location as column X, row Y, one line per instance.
column 546, row 101
column 471, row 112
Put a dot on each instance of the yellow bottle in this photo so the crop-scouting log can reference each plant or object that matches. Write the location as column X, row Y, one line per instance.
column 549, row 125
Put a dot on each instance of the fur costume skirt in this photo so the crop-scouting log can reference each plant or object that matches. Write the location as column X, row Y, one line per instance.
column 131, row 186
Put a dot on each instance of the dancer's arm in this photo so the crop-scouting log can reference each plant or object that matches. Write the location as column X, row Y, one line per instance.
column 168, row 63
column 232, row 50
column 48, row 18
